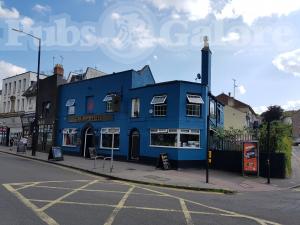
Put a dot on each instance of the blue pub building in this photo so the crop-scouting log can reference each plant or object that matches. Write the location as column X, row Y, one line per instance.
column 139, row 117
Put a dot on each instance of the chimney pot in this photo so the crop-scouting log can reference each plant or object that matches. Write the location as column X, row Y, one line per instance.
column 59, row 70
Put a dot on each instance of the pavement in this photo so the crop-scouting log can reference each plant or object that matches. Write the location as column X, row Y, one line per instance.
column 193, row 179
column 36, row 193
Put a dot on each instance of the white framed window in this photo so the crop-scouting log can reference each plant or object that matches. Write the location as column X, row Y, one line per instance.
column 175, row 138
column 109, row 106
column 108, row 136
column 70, row 104
column 24, row 84
column 135, row 107
column 159, row 105
column 69, row 137
column 193, row 105
column 20, row 86
column 109, row 102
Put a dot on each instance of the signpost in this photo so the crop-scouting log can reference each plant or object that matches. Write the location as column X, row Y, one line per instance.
column 56, row 154
column 250, row 158
column 163, row 161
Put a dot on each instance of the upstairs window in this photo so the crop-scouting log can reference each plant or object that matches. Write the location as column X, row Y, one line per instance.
column 193, row 106
column 109, row 102
column 159, row 105
column 219, row 112
column 90, row 104
column 135, row 107
column 70, row 104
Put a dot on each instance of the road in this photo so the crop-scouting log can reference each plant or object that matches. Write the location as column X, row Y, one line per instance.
column 33, row 192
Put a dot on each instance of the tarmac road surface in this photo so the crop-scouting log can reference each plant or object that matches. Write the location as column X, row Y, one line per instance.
column 33, row 192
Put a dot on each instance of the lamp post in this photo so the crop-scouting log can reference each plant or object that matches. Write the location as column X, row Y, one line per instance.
column 35, row 129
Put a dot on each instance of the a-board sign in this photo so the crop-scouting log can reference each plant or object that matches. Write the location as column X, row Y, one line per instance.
column 21, row 147
column 250, row 157
column 56, row 154
column 93, row 152
column 163, row 161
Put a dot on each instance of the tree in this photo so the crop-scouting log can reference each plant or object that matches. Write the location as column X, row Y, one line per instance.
column 273, row 113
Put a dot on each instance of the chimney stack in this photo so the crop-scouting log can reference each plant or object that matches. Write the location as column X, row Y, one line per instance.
column 59, row 70
column 206, row 64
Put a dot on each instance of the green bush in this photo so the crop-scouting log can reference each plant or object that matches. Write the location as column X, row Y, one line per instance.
column 280, row 141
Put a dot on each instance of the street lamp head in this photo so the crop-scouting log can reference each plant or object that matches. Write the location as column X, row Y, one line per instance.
column 16, row 30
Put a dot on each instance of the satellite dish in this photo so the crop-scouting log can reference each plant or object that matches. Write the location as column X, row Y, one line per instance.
column 199, row 76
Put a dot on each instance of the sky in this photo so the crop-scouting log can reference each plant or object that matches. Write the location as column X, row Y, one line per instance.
column 255, row 42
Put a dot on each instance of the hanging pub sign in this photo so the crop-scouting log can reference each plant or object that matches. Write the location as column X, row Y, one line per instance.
column 56, row 154
column 250, row 157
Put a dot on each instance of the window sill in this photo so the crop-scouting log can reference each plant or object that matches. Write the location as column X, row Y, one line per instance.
column 70, row 146
column 157, row 146
column 193, row 116
column 104, row 149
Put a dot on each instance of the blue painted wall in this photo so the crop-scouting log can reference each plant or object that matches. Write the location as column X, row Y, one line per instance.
column 132, row 84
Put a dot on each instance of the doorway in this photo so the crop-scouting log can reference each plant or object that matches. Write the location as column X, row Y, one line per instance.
column 134, row 145
column 88, row 140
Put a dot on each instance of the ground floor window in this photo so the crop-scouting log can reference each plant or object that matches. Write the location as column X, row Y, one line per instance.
column 177, row 138
column 110, row 137
column 70, row 137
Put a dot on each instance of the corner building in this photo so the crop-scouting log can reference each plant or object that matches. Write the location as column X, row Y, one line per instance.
column 137, row 117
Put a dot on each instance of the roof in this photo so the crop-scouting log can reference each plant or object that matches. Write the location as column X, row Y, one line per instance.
column 41, row 75
column 223, row 98
column 166, row 83
column 88, row 74
column 290, row 113
column 31, row 91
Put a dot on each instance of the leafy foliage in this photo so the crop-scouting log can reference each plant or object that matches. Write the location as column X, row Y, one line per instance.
column 280, row 141
column 273, row 113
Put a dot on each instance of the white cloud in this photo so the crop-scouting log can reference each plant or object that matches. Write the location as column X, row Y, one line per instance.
column 231, row 36
column 289, row 105
column 242, row 89
column 90, row 1
column 292, row 105
column 260, row 109
column 288, row 62
column 248, row 10
column 251, row 10
column 175, row 16
column 26, row 22
column 115, row 16
column 155, row 57
column 8, row 13
column 194, row 9
column 41, row 8
column 8, row 69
